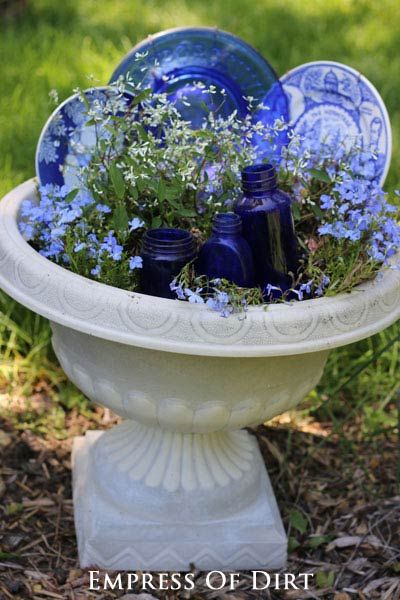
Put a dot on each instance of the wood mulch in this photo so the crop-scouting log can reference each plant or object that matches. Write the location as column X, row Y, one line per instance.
column 338, row 501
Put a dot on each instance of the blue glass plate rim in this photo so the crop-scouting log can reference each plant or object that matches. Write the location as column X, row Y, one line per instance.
column 52, row 118
column 122, row 66
column 362, row 78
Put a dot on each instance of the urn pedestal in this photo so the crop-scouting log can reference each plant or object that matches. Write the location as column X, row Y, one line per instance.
column 233, row 531
column 180, row 483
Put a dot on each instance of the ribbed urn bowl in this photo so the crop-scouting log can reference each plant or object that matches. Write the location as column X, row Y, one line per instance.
column 185, row 379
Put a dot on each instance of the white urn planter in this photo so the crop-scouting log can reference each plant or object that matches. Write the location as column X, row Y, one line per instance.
column 179, row 482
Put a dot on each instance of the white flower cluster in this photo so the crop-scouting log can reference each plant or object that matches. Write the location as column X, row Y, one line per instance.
column 161, row 157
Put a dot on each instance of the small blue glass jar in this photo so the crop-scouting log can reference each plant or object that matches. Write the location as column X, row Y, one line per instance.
column 226, row 254
column 268, row 227
column 164, row 252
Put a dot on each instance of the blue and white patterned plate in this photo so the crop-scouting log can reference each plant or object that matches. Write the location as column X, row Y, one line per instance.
column 183, row 62
column 66, row 142
column 332, row 103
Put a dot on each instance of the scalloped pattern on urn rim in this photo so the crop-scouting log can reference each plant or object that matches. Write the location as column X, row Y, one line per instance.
column 170, row 325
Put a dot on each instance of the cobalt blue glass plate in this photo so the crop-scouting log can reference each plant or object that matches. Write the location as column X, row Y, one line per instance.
column 184, row 63
column 66, row 142
column 334, row 104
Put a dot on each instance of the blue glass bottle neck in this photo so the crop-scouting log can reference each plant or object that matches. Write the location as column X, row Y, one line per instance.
column 168, row 242
column 226, row 225
column 259, row 192
column 259, row 180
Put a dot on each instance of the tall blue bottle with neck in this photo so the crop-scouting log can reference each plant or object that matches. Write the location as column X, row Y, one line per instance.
column 226, row 254
column 267, row 221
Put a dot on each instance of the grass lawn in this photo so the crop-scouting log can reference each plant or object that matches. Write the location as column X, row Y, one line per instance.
column 59, row 44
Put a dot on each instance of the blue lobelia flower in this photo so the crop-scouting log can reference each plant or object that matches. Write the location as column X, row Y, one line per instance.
column 96, row 270
column 68, row 215
column 135, row 223
column 306, row 287
column 80, row 246
column 220, row 302
column 135, row 262
column 194, row 297
column 111, row 246
column 103, row 209
column 178, row 289
column 327, row 202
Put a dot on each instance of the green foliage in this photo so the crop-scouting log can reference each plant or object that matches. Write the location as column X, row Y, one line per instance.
column 293, row 544
column 13, row 508
column 299, row 525
column 315, row 541
column 118, row 183
column 298, row 521
column 25, row 349
column 148, row 167
column 148, row 162
column 325, row 579
column 362, row 380
column 346, row 264
column 220, row 294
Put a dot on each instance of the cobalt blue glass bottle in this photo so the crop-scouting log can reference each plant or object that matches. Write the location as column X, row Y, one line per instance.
column 226, row 254
column 268, row 227
column 164, row 252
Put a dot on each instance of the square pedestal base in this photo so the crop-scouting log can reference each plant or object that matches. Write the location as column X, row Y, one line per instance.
column 108, row 538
